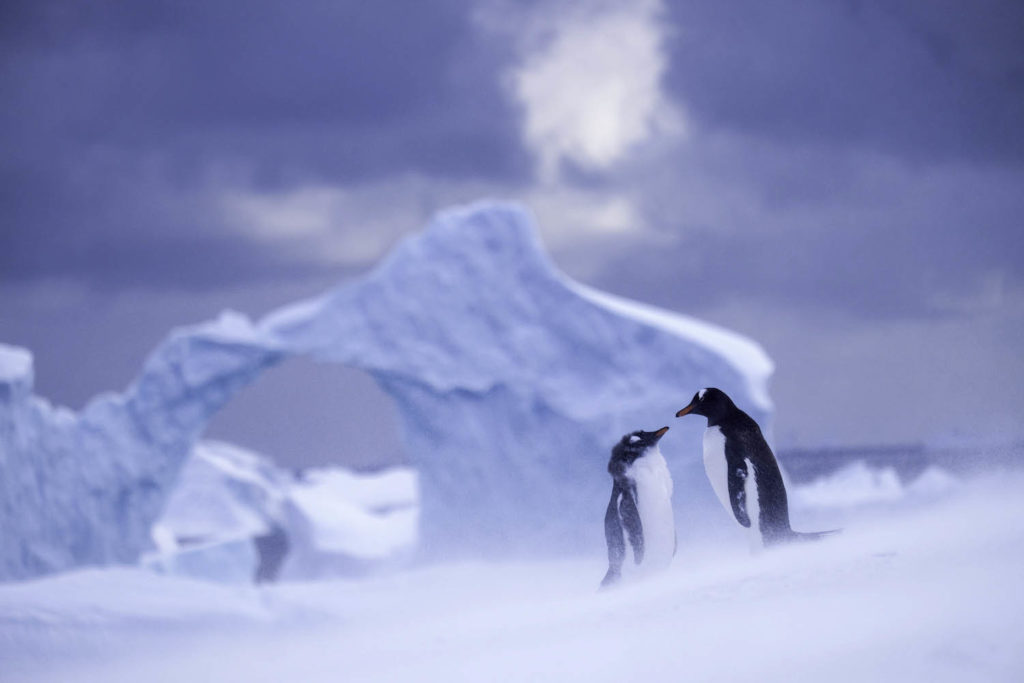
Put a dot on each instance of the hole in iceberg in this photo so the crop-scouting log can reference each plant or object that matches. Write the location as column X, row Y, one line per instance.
column 345, row 418
column 301, row 476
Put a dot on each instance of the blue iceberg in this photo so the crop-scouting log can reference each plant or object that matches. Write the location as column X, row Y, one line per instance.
column 511, row 383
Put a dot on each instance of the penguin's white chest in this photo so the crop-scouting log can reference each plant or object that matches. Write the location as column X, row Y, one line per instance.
column 653, row 482
column 715, row 465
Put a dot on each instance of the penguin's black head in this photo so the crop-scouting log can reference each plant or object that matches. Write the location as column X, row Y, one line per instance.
column 711, row 403
column 634, row 444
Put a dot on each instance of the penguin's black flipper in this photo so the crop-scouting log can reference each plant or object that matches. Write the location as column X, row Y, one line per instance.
column 738, row 493
column 631, row 520
column 615, row 539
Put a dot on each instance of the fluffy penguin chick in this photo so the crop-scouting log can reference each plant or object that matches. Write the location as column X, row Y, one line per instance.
column 640, row 509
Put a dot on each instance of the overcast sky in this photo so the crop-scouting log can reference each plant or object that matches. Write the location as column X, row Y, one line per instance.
column 841, row 181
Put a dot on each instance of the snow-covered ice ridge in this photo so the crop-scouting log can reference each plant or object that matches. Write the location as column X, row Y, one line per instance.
column 511, row 384
column 84, row 488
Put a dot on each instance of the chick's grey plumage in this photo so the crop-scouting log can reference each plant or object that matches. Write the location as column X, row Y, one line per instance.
column 623, row 518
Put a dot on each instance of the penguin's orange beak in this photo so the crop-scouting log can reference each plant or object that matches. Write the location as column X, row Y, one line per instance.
column 687, row 410
column 660, row 433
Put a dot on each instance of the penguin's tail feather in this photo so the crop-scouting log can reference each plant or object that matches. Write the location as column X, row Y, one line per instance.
column 812, row 535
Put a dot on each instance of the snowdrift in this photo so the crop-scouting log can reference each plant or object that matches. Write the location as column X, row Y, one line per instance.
column 234, row 516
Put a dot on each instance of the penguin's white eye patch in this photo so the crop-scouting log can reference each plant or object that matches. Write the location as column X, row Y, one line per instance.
column 700, row 394
column 634, row 438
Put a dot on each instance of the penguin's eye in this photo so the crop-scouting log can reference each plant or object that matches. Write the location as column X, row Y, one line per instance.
column 634, row 439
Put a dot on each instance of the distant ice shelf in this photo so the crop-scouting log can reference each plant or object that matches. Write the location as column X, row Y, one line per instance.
column 511, row 383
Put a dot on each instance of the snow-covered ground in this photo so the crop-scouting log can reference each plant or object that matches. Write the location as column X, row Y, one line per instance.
column 923, row 584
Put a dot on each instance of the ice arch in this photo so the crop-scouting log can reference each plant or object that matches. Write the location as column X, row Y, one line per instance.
column 511, row 382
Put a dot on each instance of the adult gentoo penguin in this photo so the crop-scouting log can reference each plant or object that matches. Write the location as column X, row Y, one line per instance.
column 742, row 469
column 641, row 504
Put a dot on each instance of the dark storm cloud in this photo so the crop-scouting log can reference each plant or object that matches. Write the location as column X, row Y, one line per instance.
column 869, row 157
column 925, row 80
column 108, row 225
column 265, row 81
column 115, row 113
column 858, row 234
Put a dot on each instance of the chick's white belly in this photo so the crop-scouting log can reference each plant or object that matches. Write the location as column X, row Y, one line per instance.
column 653, row 484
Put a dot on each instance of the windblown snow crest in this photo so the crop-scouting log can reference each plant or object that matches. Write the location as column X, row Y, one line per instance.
column 510, row 380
